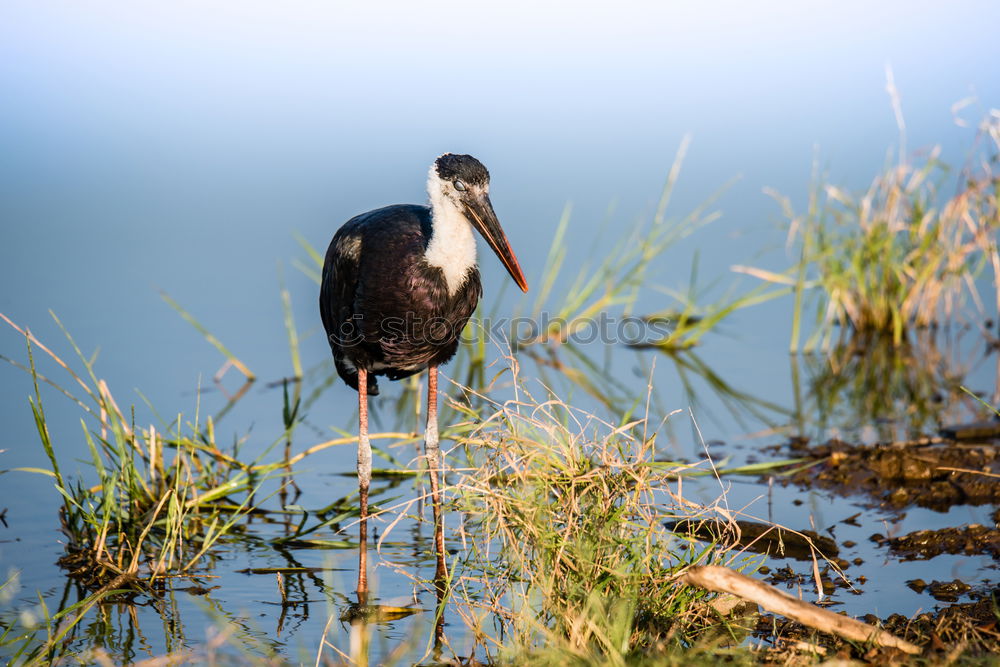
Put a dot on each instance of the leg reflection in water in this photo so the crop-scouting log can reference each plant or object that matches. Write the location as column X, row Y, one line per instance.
column 360, row 640
column 359, row 614
column 440, row 589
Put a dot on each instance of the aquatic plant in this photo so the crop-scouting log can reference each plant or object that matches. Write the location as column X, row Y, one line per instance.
column 567, row 550
column 566, row 558
column 900, row 256
column 155, row 501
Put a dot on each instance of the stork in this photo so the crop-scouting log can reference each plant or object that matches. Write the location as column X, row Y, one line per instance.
column 399, row 285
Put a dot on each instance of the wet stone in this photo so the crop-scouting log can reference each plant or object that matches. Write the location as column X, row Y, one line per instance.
column 759, row 537
column 986, row 430
column 948, row 591
column 784, row 575
column 926, row 544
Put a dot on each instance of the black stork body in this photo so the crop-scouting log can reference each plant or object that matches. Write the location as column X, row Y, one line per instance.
column 399, row 285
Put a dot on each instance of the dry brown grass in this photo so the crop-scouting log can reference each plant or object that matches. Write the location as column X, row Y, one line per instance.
column 564, row 538
column 904, row 254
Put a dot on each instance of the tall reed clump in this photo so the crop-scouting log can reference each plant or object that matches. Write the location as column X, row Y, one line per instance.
column 903, row 254
column 155, row 501
column 568, row 559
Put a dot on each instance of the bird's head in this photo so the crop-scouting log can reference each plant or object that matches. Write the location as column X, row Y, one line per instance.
column 464, row 182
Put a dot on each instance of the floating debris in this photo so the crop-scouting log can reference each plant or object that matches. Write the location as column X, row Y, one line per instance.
column 759, row 537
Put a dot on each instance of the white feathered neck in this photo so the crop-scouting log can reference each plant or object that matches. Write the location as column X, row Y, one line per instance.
column 452, row 247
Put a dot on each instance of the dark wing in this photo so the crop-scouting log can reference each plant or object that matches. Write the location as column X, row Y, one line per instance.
column 363, row 281
column 339, row 281
column 404, row 302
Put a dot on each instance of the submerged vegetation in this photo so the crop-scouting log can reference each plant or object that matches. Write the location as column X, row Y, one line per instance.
column 560, row 519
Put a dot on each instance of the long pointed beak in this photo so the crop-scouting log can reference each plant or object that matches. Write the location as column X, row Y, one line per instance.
column 479, row 210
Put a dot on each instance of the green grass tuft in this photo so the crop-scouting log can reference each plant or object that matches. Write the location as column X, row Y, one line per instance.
column 900, row 256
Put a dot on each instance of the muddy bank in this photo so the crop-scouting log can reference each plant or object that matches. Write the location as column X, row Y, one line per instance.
column 972, row 625
column 926, row 544
column 934, row 473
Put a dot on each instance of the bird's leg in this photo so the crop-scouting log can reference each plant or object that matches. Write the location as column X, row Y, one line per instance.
column 433, row 452
column 364, row 480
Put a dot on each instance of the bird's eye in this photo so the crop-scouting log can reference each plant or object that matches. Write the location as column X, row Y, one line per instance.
column 459, row 185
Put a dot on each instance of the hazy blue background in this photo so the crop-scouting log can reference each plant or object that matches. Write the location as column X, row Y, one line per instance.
column 179, row 145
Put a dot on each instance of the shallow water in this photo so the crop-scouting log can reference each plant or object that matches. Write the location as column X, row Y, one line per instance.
column 149, row 149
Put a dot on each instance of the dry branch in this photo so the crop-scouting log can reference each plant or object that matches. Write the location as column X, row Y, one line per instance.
column 723, row 580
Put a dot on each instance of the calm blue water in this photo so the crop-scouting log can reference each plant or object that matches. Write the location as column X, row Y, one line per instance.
column 180, row 147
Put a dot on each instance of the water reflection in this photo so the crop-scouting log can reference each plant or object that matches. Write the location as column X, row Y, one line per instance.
column 360, row 639
column 124, row 628
column 700, row 381
column 868, row 390
column 863, row 387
